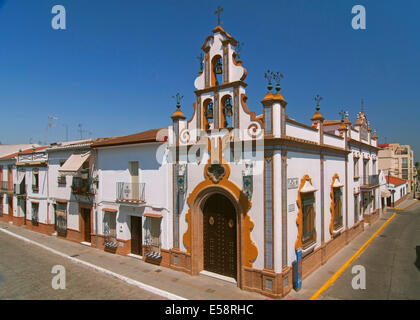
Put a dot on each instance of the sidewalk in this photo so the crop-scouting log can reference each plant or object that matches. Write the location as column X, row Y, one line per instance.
column 175, row 282
column 408, row 201
column 318, row 278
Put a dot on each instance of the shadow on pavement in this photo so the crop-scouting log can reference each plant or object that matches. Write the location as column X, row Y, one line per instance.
column 417, row 263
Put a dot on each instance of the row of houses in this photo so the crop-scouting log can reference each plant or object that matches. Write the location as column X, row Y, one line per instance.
column 227, row 193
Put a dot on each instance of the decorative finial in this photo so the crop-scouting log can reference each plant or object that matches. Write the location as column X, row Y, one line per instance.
column 178, row 98
column 277, row 77
column 269, row 76
column 318, row 99
column 343, row 114
column 362, row 105
column 218, row 12
column 200, row 59
column 238, row 49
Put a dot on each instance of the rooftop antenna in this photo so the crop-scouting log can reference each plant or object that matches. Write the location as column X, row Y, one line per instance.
column 80, row 131
column 49, row 125
column 67, row 131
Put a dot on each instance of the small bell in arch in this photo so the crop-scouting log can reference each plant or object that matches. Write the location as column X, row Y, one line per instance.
column 228, row 107
column 209, row 111
column 218, row 67
column 227, row 110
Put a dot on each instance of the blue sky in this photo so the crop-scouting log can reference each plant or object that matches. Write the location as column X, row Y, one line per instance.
column 118, row 64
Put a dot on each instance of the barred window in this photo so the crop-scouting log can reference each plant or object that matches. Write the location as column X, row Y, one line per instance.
column 110, row 227
column 35, row 209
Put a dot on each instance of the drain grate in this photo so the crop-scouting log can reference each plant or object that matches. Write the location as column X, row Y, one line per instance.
column 383, row 236
column 210, row 290
column 74, row 256
column 158, row 270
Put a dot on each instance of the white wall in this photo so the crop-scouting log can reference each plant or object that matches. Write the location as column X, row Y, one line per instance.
column 113, row 167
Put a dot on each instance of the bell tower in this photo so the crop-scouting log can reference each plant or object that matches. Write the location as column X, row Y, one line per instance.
column 220, row 82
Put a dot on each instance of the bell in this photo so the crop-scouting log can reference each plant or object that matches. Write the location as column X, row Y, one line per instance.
column 218, row 67
column 209, row 111
column 228, row 107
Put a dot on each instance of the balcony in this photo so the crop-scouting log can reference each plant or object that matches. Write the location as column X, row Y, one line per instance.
column 130, row 192
column 369, row 181
column 82, row 186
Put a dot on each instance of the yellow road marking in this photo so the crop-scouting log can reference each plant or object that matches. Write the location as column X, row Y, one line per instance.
column 345, row 266
column 407, row 206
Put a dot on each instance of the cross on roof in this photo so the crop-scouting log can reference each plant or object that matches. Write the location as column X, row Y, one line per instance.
column 218, row 12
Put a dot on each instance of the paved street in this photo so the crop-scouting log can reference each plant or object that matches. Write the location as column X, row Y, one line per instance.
column 392, row 263
column 25, row 273
column 24, row 267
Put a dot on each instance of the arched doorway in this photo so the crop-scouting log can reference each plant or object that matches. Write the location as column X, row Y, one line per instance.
column 219, row 236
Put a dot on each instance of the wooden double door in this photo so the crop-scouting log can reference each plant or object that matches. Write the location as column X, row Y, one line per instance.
column 219, row 236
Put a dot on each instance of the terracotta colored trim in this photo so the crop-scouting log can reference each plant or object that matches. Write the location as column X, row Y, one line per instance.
column 204, row 46
column 152, row 215
column 332, row 206
column 109, row 210
column 220, row 87
column 227, row 35
column 239, row 64
column 127, row 143
column 299, row 219
column 245, row 108
column 250, row 251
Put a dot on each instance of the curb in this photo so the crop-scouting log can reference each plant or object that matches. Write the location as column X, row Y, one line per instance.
column 143, row 286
